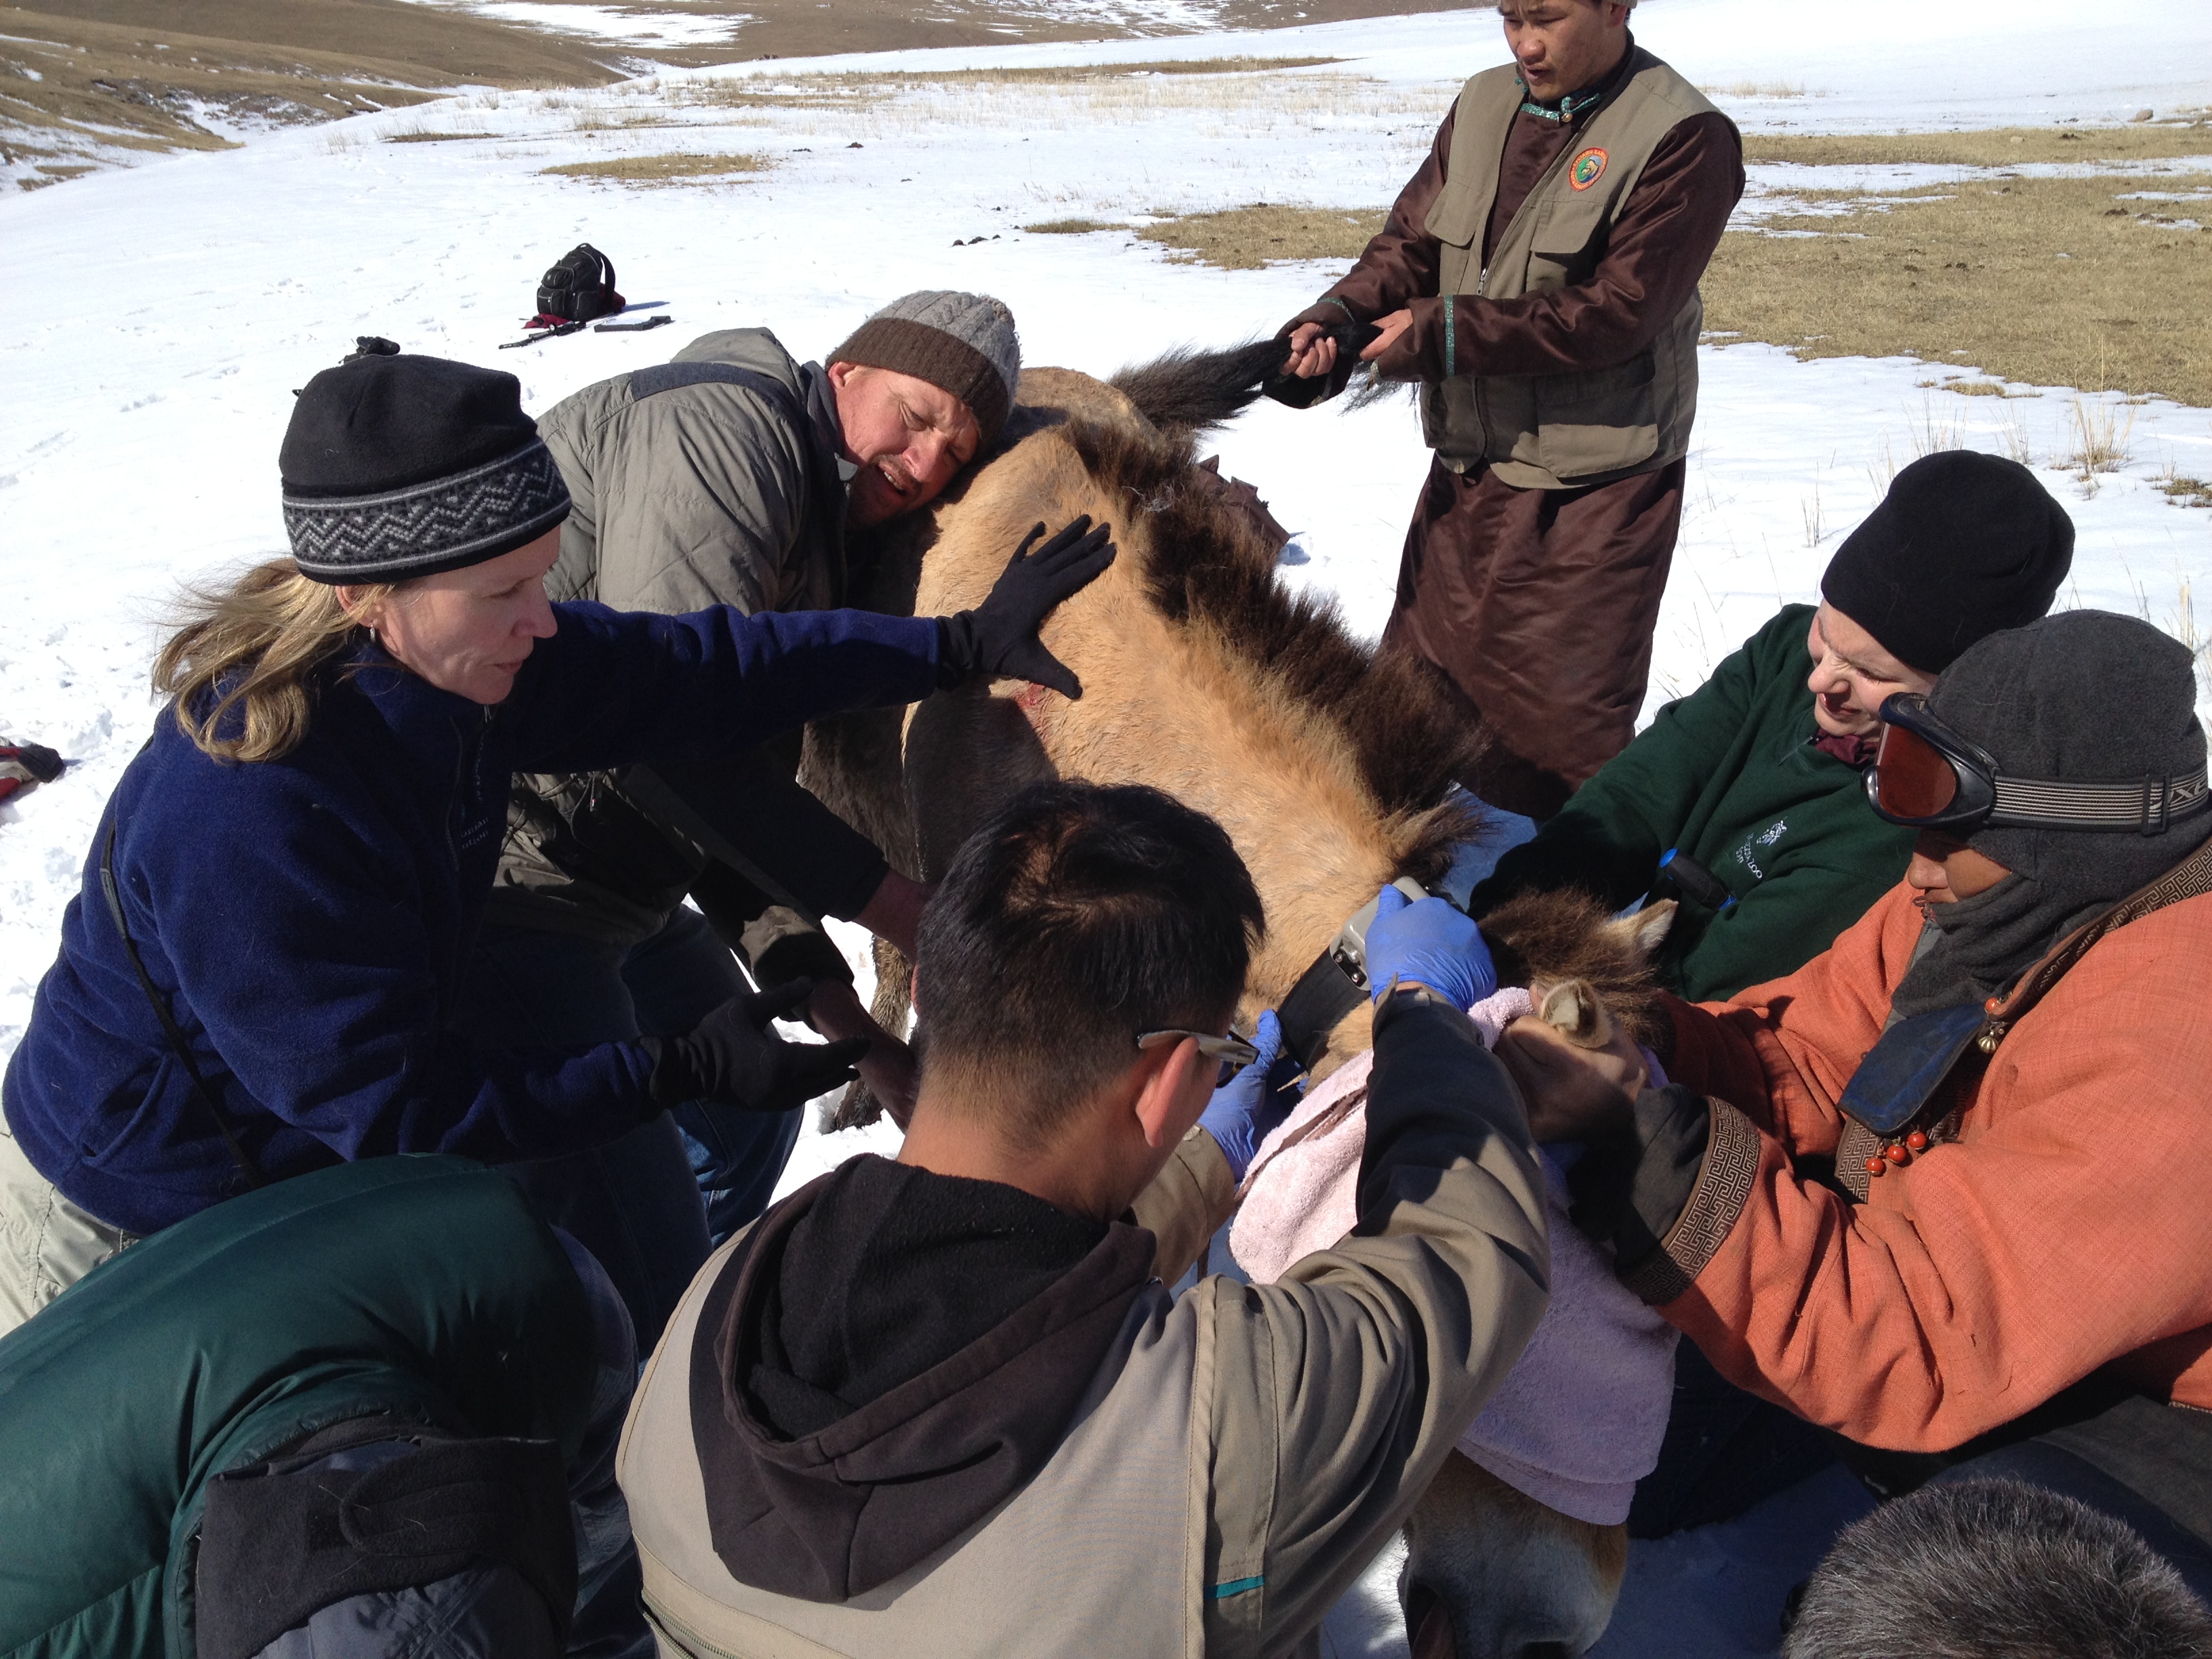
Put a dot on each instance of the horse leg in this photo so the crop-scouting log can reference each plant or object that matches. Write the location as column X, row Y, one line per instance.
column 1492, row 1574
column 968, row 753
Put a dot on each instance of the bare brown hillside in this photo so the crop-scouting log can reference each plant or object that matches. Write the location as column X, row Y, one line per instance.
column 84, row 83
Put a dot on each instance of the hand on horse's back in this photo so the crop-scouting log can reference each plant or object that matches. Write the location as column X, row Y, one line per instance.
column 999, row 637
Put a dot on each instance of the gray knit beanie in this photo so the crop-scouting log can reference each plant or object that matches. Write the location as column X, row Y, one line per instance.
column 964, row 342
column 2084, row 697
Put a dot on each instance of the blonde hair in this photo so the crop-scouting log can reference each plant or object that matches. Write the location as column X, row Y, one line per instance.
column 253, row 648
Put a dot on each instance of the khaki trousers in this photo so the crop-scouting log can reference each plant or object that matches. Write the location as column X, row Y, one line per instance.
column 46, row 1242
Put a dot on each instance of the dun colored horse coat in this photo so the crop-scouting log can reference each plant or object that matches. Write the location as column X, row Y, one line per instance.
column 1328, row 763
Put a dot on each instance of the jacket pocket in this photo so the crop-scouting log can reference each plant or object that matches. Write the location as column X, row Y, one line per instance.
column 1568, row 241
column 1599, row 421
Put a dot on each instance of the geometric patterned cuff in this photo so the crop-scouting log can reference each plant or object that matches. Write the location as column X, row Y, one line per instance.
column 1725, row 1183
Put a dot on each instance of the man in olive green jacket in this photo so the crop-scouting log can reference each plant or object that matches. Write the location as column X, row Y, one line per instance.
column 946, row 1405
column 1744, row 801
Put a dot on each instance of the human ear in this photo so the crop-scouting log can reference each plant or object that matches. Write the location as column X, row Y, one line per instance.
column 1174, row 1091
column 351, row 602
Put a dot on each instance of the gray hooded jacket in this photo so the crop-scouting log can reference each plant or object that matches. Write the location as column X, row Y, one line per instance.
column 711, row 479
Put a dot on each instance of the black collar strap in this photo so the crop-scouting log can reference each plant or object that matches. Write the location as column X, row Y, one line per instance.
column 2148, row 806
column 1332, row 985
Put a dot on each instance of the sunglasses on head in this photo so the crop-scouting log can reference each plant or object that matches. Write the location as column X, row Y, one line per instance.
column 1927, row 776
column 1231, row 1051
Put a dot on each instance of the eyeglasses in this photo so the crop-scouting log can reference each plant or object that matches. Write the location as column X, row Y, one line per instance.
column 1927, row 776
column 1231, row 1051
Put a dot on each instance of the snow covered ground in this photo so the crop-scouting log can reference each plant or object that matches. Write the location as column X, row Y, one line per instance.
column 159, row 319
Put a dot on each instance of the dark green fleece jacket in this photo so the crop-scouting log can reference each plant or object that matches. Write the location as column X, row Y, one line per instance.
column 1729, row 775
column 425, row 1288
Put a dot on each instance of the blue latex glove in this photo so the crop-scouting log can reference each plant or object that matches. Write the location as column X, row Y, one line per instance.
column 1434, row 942
column 1245, row 1109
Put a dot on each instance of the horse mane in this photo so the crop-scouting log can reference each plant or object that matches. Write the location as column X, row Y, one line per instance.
column 1208, row 564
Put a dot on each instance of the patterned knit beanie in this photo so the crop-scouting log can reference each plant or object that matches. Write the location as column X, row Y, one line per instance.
column 400, row 466
column 963, row 342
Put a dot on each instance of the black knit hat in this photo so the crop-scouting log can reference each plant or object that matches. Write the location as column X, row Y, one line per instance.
column 400, row 466
column 1963, row 544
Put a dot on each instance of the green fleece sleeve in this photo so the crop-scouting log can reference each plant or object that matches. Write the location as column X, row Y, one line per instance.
column 1608, row 839
column 1793, row 915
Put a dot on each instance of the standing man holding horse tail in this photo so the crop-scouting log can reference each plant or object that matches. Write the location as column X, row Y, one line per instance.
column 1539, row 277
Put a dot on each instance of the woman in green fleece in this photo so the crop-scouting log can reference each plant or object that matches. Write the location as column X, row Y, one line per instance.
column 1752, row 783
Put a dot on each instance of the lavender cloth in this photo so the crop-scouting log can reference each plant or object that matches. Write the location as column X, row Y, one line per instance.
column 1578, row 1420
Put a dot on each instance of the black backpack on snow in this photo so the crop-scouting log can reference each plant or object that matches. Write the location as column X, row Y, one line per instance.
column 579, row 287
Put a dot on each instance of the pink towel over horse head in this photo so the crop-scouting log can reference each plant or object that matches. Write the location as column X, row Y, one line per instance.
column 1578, row 1421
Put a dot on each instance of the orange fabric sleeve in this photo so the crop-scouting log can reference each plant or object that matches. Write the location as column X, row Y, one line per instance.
column 2066, row 1228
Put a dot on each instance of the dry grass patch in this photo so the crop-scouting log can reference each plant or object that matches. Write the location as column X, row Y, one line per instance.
column 422, row 136
column 1996, row 147
column 2054, row 282
column 2184, row 491
column 1072, row 75
column 1248, row 237
column 1756, row 90
column 839, row 87
column 662, row 169
column 1246, row 90
column 1071, row 227
column 1975, row 388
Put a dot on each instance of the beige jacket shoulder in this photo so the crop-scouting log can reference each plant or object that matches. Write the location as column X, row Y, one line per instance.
column 1243, row 1453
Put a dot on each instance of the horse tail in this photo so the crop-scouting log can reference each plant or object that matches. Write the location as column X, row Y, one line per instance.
column 1188, row 390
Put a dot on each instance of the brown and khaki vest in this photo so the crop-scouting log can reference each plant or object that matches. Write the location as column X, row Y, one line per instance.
column 1560, row 431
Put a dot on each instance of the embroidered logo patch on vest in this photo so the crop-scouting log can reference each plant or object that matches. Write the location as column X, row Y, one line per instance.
column 1587, row 168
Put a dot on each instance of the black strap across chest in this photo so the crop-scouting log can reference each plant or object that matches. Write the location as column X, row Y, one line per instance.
column 829, row 503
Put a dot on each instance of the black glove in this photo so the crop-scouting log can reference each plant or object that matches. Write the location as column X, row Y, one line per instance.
column 1352, row 339
column 1631, row 1187
column 731, row 1057
column 999, row 637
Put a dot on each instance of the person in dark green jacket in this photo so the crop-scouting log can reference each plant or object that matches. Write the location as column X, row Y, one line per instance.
column 1749, row 790
column 364, row 1412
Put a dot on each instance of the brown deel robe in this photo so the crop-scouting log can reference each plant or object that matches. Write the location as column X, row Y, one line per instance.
column 1541, row 603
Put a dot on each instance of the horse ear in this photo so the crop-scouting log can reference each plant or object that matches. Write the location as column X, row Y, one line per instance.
column 1648, row 928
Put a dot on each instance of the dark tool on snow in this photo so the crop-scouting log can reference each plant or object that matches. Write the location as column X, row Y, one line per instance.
column 578, row 287
column 1290, row 390
column 25, row 766
column 1682, row 877
column 542, row 334
column 632, row 328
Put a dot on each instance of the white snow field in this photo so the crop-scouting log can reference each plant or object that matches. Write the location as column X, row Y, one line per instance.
column 160, row 317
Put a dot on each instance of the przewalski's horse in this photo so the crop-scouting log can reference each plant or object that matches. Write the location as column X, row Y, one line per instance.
column 1327, row 762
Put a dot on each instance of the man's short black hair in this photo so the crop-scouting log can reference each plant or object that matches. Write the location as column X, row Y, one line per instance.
column 1076, row 918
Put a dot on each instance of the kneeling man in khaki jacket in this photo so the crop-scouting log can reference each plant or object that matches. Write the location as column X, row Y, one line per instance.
column 948, row 1406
